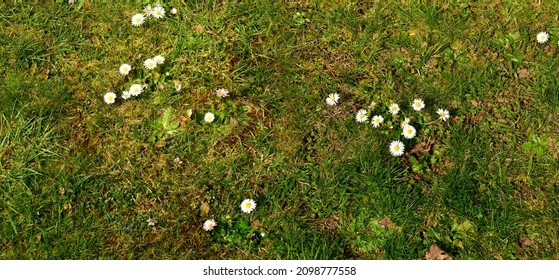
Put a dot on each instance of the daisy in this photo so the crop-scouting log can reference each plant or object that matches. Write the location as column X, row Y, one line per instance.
column 443, row 114
column 418, row 104
column 405, row 122
column 377, row 121
column 394, row 108
column 110, row 97
column 209, row 225
column 209, row 117
column 124, row 69
column 222, row 92
column 159, row 59
column 397, row 148
column 409, row 131
column 137, row 19
column 151, row 222
column 135, row 89
column 174, row 11
column 542, row 37
column 178, row 86
column 126, row 95
column 361, row 116
column 148, row 10
column 150, row 64
column 332, row 99
column 158, row 12
column 248, row 205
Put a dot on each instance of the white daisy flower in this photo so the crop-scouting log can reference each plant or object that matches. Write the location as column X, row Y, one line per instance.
column 148, row 10
column 409, row 131
column 209, row 225
column 394, row 108
column 405, row 122
column 126, row 95
column 332, row 99
column 138, row 19
column 418, row 104
column 361, row 116
column 158, row 12
column 209, row 117
column 135, row 89
column 222, row 92
column 151, row 222
column 174, row 11
column 377, row 121
column 443, row 114
column 150, row 64
column 178, row 86
column 124, row 69
column 248, row 205
column 542, row 37
column 159, row 59
column 397, row 148
column 110, row 97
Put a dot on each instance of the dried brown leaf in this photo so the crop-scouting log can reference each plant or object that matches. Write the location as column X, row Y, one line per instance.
column 385, row 223
column 205, row 208
column 436, row 253
column 526, row 242
column 160, row 144
column 199, row 28
column 182, row 120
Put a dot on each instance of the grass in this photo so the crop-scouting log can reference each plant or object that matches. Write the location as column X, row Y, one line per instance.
column 80, row 178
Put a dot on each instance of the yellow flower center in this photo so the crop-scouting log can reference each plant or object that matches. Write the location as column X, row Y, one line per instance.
column 396, row 148
column 410, row 131
column 248, row 205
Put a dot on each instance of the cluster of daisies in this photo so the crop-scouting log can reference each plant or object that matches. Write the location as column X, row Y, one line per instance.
column 157, row 12
column 408, row 131
column 247, row 206
column 135, row 89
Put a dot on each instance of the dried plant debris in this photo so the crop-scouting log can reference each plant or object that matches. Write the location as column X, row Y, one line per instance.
column 436, row 253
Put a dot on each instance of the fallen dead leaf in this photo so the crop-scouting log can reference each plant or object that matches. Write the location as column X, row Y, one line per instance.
column 205, row 208
column 524, row 73
column 182, row 120
column 160, row 144
column 385, row 223
column 421, row 148
column 199, row 28
column 526, row 242
column 436, row 253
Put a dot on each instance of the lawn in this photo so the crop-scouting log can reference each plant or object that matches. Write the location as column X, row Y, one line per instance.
column 137, row 179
